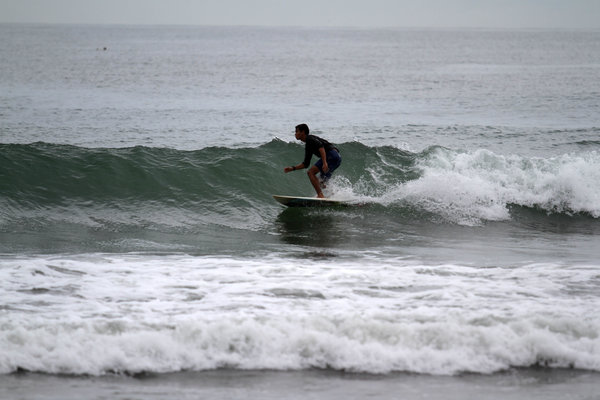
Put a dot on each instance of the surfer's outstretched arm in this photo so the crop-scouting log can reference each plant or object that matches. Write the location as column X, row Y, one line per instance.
column 295, row 167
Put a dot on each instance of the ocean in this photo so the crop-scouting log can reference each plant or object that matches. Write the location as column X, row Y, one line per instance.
column 142, row 255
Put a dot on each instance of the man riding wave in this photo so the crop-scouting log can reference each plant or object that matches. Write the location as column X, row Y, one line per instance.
column 329, row 158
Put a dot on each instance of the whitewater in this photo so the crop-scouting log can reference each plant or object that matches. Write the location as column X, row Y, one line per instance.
column 142, row 253
column 191, row 313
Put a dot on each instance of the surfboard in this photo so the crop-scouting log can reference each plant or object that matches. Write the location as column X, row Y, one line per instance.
column 293, row 201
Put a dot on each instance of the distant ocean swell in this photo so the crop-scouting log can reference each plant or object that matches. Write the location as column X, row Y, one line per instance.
column 48, row 181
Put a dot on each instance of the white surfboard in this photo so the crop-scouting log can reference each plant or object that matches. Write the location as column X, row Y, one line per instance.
column 294, row 201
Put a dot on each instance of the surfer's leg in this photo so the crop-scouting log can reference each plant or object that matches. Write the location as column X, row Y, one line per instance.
column 323, row 178
column 312, row 176
column 333, row 161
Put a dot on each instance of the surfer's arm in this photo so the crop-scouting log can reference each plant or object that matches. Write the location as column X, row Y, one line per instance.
column 303, row 164
column 295, row 167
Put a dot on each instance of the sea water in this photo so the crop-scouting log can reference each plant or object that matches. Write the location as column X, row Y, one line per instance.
column 140, row 247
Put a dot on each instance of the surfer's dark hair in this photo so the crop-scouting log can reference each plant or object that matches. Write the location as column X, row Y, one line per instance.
column 303, row 128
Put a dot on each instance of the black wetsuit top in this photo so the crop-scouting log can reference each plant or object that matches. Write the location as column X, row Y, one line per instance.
column 313, row 144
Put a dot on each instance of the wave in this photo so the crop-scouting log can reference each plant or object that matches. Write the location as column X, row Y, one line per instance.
column 350, row 343
column 142, row 185
column 468, row 187
column 130, row 314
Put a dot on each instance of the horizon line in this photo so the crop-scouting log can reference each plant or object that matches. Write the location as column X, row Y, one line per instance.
column 324, row 27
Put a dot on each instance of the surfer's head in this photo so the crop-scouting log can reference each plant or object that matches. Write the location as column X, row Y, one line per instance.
column 302, row 131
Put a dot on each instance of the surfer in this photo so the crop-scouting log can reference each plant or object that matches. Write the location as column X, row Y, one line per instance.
column 329, row 158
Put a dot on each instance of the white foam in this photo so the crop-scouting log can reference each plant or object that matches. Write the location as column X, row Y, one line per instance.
column 476, row 186
column 107, row 313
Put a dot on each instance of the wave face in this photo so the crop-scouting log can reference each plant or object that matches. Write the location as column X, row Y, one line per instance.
column 60, row 198
column 137, row 185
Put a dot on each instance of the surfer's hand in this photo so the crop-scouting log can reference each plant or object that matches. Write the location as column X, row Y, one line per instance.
column 325, row 167
column 288, row 169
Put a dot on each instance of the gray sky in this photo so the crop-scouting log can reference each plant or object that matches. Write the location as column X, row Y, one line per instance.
column 566, row 14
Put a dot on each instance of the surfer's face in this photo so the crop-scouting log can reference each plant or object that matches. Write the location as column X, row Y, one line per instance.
column 300, row 135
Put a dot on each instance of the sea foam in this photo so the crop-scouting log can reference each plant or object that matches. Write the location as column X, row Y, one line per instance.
column 470, row 187
column 133, row 314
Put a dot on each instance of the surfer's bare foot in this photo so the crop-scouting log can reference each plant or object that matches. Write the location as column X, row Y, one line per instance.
column 320, row 196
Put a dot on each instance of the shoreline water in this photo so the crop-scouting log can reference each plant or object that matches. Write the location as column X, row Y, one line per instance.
column 514, row 384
